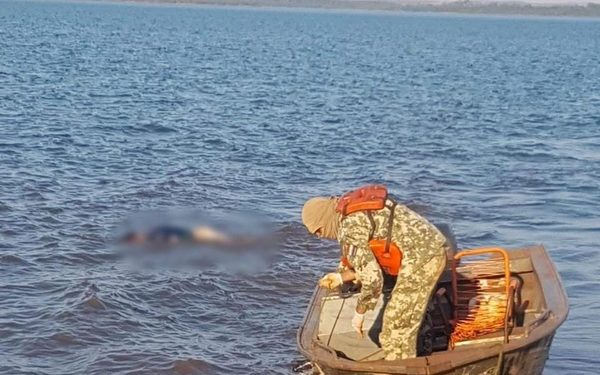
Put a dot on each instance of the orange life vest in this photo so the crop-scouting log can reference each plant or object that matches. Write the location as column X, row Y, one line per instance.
column 369, row 198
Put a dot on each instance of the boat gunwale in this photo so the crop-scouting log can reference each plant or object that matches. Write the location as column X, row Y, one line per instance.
column 554, row 296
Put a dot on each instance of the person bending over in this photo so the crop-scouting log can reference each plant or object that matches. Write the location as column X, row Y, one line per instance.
column 378, row 235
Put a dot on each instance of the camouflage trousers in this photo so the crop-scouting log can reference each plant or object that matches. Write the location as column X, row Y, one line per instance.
column 407, row 305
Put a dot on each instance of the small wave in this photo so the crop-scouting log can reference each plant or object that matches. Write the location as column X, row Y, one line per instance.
column 194, row 366
column 63, row 339
column 13, row 259
column 94, row 302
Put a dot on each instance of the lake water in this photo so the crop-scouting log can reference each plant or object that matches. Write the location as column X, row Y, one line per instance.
column 491, row 125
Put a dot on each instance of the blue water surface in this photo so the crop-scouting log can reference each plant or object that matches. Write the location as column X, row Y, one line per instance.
column 489, row 124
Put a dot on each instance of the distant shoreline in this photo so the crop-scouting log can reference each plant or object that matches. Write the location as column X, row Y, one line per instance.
column 590, row 10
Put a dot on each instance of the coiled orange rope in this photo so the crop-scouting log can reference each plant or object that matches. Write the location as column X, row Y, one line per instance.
column 481, row 287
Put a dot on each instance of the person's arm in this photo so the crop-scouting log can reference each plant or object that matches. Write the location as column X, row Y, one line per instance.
column 367, row 270
column 355, row 232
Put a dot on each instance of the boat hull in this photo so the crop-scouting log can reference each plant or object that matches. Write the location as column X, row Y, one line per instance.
column 525, row 353
column 527, row 361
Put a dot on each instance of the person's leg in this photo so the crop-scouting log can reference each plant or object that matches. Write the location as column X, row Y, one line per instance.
column 405, row 311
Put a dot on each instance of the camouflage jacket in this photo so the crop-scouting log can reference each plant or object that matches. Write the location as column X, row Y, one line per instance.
column 418, row 239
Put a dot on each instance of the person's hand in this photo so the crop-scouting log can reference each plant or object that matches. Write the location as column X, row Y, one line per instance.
column 357, row 323
column 331, row 280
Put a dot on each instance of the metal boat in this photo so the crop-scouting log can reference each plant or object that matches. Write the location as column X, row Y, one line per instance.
column 536, row 306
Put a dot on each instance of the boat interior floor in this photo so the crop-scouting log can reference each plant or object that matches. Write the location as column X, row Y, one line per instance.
column 336, row 333
column 337, row 311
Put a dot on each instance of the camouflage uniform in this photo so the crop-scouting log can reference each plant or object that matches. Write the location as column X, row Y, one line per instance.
column 424, row 258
